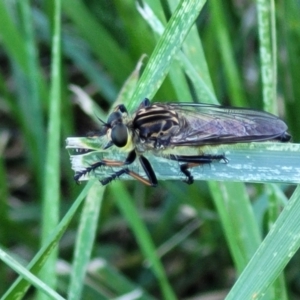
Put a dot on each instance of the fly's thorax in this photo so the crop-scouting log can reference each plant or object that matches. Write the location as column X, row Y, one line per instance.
column 155, row 125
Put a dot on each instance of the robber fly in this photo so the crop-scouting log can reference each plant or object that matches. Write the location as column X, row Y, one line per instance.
column 158, row 127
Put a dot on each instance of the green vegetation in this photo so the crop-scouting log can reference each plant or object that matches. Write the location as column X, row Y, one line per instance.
column 61, row 240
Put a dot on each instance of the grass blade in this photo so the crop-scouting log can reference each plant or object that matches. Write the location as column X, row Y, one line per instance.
column 167, row 47
column 85, row 240
column 52, row 162
column 252, row 162
column 280, row 245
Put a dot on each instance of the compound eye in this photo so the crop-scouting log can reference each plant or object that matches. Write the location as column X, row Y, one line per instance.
column 119, row 135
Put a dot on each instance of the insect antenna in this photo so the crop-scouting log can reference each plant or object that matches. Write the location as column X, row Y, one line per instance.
column 104, row 123
column 103, row 128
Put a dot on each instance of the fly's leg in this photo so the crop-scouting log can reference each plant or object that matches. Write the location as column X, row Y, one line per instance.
column 136, row 176
column 151, row 181
column 184, row 168
column 198, row 159
column 145, row 103
column 115, row 175
column 94, row 166
column 195, row 161
column 106, row 163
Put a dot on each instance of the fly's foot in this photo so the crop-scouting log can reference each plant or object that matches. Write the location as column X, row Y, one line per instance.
column 223, row 159
column 78, row 175
column 94, row 166
column 189, row 178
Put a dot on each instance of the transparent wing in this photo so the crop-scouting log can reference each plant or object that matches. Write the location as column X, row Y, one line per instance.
column 212, row 124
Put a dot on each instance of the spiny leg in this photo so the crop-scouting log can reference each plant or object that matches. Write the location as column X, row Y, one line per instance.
column 106, row 163
column 200, row 159
column 94, row 166
column 151, row 179
column 119, row 173
column 115, row 175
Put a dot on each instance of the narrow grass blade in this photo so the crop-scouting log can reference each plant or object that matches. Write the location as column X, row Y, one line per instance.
column 42, row 287
column 167, row 47
column 52, row 163
column 85, row 240
column 195, row 70
column 268, row 58
column 267, row 39
column 33, row 104
column 272, row 256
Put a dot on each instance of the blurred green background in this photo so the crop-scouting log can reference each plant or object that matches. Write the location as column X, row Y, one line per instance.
column 102, row 42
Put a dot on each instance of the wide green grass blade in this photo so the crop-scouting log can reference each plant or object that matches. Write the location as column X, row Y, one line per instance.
column 252, row 162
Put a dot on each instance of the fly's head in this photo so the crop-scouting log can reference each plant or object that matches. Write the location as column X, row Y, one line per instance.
column 117, row 130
